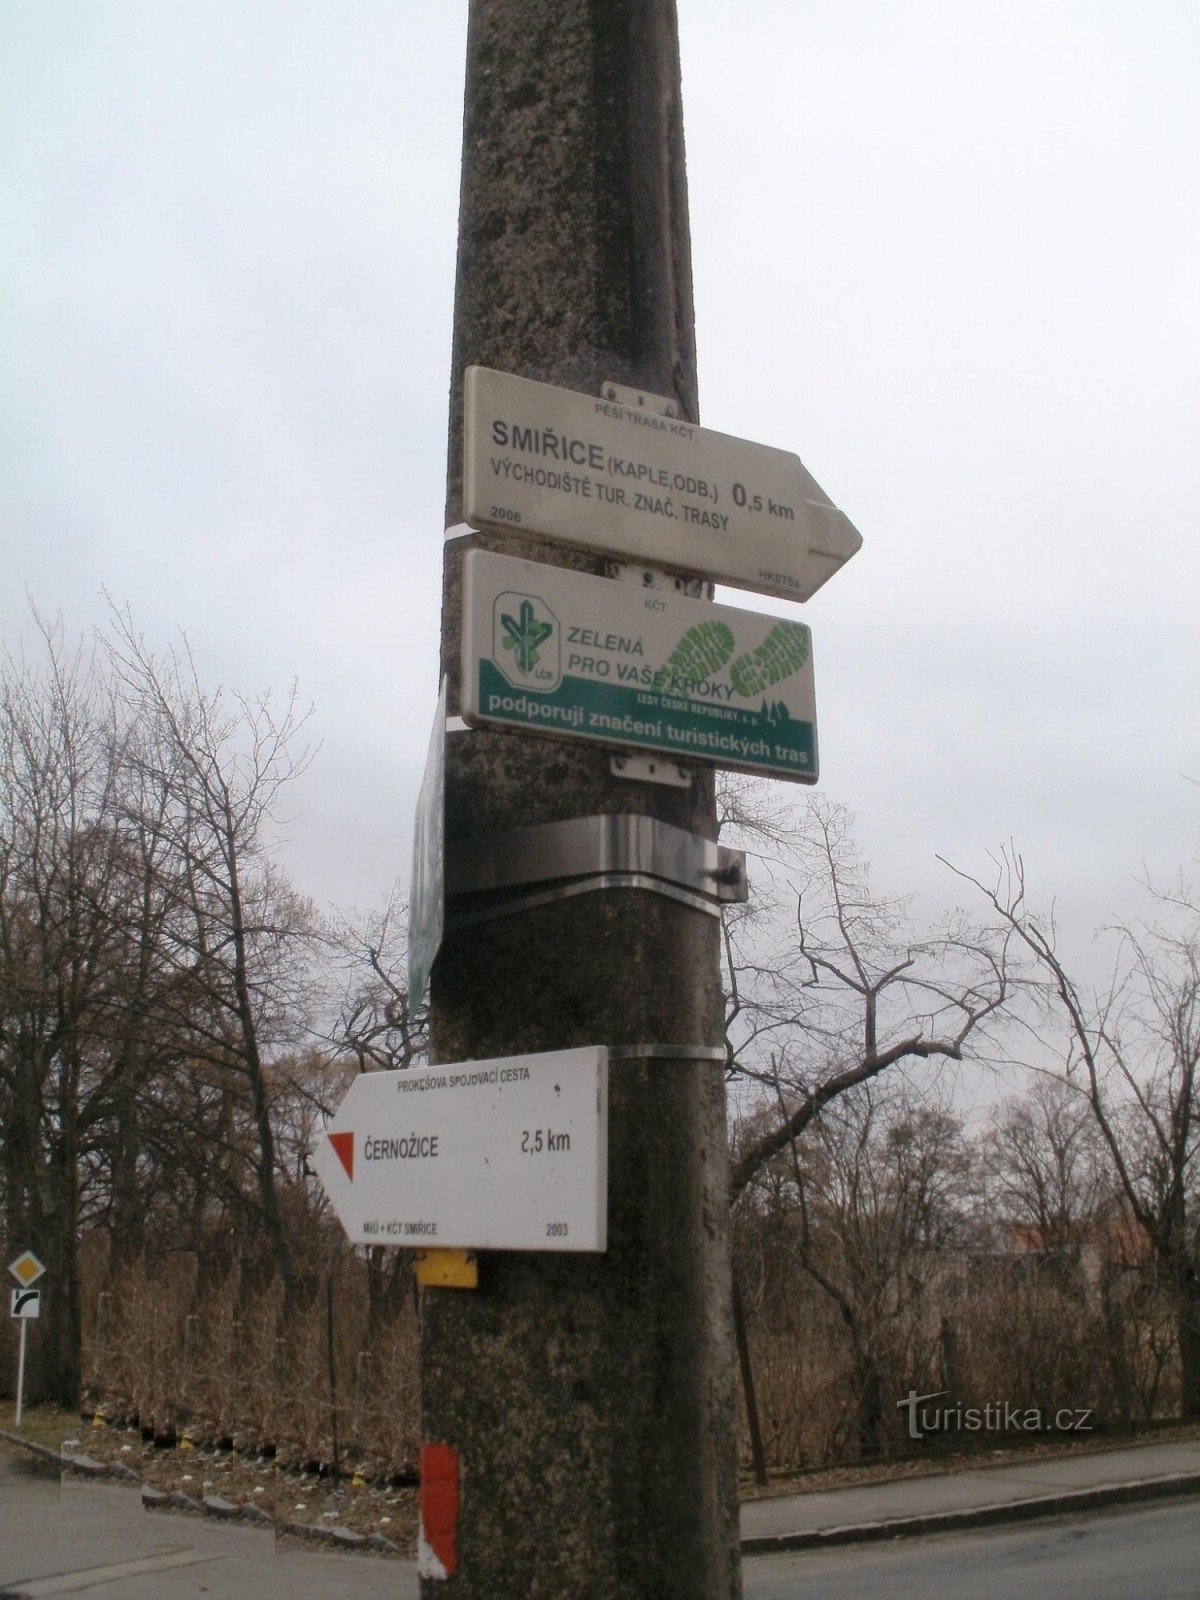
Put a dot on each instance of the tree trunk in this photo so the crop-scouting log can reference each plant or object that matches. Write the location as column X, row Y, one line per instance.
column 1187, row 1302
column 869, row 1389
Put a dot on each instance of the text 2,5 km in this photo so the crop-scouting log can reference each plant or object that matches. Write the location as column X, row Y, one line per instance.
column 538, row 1141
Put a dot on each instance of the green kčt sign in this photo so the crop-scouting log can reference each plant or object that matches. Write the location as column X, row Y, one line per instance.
column 561, row 653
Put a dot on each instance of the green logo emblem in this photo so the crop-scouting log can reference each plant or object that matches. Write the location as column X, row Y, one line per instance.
column 525, row 635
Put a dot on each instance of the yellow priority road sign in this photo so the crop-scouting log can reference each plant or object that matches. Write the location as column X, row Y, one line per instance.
column 26, row 1269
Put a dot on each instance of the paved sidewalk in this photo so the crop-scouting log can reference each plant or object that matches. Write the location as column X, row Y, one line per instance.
column 975, row 1498
column 81, row 1538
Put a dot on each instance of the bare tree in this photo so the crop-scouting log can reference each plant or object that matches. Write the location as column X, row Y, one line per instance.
column 219, row 765
column 1133, row 1048
column 818, row 1010
column 1045, row 1174
column 155, row 970
column 70, row 960
column 375, row 1024
column 854, row 990
column 867, row 1204
column 891, row 1192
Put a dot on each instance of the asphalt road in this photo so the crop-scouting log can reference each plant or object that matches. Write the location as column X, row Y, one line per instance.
column 1152, row 1553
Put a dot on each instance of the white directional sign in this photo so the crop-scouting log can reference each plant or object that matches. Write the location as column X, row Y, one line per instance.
column 626, row 481
column 26, row 1269
column 508, row 1154
column 559, row 652
column 426, row 904
column 26, row 1303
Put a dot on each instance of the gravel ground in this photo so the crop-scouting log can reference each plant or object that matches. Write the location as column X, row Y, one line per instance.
column 290, row 1497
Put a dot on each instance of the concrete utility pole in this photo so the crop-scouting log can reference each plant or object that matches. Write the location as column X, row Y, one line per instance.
column 589, row 1399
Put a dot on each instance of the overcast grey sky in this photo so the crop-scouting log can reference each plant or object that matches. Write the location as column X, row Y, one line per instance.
column 946, row 250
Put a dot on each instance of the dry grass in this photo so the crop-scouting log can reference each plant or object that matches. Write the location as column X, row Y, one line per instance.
column 227, row 1367
column 212, row 1357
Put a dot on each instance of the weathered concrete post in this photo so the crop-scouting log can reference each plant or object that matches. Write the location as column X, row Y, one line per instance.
column 589, row 1399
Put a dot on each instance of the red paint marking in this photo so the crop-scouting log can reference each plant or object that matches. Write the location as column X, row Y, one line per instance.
column 343, row 1148
column 439, row 1502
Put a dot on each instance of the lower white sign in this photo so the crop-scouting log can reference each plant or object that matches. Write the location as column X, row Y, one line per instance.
column 26, row 1303
column 556, row 651
column 510, row 1154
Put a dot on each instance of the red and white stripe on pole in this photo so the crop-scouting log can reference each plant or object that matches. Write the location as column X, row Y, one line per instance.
column 437, row 1540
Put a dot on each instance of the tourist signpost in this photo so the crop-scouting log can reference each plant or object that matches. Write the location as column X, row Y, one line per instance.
column 629, row 481
column 555, row 651
column 508, row 1154
column 574, row 266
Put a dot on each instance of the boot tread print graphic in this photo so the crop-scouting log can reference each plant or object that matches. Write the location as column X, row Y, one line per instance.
column 783, row 652
column 703, row 650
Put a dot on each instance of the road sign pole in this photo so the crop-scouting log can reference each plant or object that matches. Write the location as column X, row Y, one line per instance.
column 579, row 1410
column 20, row 1374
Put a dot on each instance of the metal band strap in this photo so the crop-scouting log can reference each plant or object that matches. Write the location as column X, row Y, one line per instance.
column 584, row 854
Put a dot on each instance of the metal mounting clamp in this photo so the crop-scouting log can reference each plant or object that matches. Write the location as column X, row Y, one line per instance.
column 667, row 1052
column 641, row 768
column 559, row 860
column 664, row 405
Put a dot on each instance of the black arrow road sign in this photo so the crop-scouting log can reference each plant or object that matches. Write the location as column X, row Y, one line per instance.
column 26, row 1302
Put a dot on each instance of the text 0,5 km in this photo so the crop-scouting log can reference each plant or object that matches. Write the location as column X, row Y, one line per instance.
column 743, row 497
column 535, row 1141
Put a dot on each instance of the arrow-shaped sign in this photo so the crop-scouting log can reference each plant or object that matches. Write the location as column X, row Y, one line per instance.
column 500, row 1155
column 604, row 475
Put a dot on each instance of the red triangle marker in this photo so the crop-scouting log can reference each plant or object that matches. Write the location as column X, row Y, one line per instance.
column 343, row 1148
